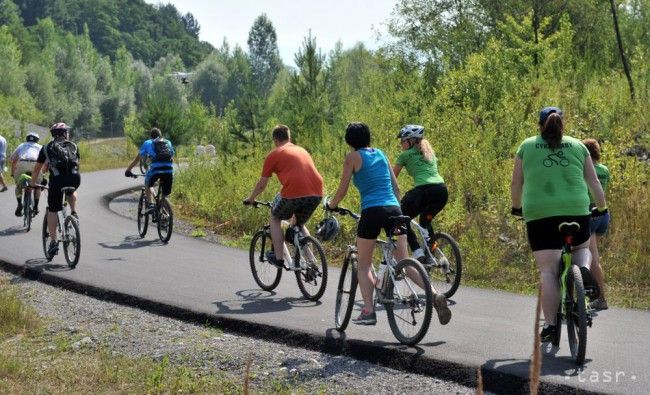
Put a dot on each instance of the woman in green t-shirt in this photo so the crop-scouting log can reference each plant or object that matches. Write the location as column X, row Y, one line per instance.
column 551, row 177
column 599, row 225
column 429, row 196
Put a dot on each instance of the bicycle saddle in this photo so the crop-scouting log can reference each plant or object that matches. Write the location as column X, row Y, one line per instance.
column 569, row 228
column 398, row 224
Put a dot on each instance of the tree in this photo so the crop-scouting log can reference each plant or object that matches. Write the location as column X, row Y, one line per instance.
column 209, row 83
column 619, row 41
column 264, row 54
column 191, row 25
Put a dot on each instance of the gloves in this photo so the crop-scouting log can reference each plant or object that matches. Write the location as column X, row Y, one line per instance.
column 598, row 212
column 128, row 173
column 517, row 212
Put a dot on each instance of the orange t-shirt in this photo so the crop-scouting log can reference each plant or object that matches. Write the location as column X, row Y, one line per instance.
column 296, row 171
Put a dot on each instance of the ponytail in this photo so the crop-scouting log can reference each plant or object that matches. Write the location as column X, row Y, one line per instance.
column 552, row 130
column 425, row 149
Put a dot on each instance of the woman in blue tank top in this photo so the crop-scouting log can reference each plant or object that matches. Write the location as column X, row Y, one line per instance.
column 373, row 176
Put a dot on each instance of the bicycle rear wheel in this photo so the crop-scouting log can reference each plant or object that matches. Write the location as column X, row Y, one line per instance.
column 408, row 304
column 576, row 315
column 345, row 292
column 165, row 220
column 45, row 234
column 71, row 241
column 266, row 275
column 445, row 273
column 312, row 280
column 143, row 219
column 27, row 210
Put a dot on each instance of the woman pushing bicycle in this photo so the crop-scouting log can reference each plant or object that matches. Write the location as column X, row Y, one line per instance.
column 429, row 196
column 552, row 194
column 371, row 173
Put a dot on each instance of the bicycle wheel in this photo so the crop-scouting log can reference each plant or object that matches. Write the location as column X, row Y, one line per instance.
column 266, row 275
column 143, row 219
column 312, row 280
column 576, row 315
column 345, row 292
column 165, row 220
column 408, row 304
column 445, row 273
column 27, row 210
column 46, row 238
column 71, row 241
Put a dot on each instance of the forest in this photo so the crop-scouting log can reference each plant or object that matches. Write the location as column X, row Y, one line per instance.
column 475, row 73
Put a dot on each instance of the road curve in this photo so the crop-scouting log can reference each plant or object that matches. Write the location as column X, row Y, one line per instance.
column 195, row 279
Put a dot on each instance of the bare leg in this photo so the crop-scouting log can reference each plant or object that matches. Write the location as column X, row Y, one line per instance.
column 597, row 270
column 548, row 262
column 365, row 248
column 72, row 201
column 52, row 221
column 277, row 237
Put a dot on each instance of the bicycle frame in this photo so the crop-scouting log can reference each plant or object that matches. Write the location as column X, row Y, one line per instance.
column 566, row 267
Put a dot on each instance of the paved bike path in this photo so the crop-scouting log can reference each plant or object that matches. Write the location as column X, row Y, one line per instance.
column 489, row 328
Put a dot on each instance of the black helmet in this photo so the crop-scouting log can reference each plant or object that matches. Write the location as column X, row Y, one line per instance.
column 327, row 229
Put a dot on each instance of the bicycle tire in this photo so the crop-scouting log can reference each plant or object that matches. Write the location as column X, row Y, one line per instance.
column 143, row 219
column 71, row 241
column 313, row 273
column 45, row 234
column 576, row 315
column 444, row 248
column 423, row 303
column 345, row 293
column 267, row 276
column 27, row 210
column 165, row 222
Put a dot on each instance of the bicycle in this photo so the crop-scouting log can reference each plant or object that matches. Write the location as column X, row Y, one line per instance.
column 68, row 234
column 412, row 310
column 303, row 255
column 444, row 264
column 573, row 296
column 28, row 212
column 145, row 162
column 162, row 214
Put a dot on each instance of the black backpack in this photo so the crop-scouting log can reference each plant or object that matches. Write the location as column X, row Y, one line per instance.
column 162, row 150
column 62, row 156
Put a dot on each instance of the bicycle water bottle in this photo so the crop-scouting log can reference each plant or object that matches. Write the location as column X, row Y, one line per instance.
column 382, row 275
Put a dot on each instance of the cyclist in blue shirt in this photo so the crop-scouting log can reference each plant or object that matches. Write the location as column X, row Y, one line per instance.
column 162, row 153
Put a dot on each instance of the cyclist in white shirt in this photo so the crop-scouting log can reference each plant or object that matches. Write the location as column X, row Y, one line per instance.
column 23, row 160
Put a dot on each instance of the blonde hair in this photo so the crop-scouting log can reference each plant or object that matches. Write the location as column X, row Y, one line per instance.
column 424, row 147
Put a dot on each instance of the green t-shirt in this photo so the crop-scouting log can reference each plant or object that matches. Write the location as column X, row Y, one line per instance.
column 603, row 176
column 423, row 172
column 554, row 181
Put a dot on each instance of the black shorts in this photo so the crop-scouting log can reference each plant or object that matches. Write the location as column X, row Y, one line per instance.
column 374, row 219
column 55, row 194
column 543, row 234
column 302, row 208
column 166, row 181
column 426, row 200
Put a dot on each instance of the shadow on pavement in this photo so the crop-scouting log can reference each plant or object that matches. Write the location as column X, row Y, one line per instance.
column 39, row 265
column 255, row 301
column 12, row 230
column 130, row 243
column 552, row 365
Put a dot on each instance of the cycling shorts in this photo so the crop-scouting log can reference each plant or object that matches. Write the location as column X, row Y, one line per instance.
column 543, row 233
column 166, row 181
column 374, row 219
column 302, row 207
column 55, row 194
column 425, row 200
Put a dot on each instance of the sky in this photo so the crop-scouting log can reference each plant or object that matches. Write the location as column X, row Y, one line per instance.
column 349, row 21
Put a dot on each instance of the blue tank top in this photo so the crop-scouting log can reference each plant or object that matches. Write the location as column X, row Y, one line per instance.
column 373, row 180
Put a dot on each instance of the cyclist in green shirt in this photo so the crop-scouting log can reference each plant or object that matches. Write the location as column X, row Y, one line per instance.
column 599, row 225
column 550, row 180
column 429, row 196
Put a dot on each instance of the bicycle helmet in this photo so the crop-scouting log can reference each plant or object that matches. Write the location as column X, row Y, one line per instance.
column 59, row 128
column 33, row 137
column 411, row 131
column 327, row 229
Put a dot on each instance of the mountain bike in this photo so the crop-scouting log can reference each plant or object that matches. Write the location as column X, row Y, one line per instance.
column 573, row 296
column 444, row 264
column 408, row 305
column 302, row 254
column 28, row 212
column 67, row 232
column 162, row 214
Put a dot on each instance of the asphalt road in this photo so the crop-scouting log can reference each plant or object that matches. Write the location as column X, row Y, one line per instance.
column 491, row 329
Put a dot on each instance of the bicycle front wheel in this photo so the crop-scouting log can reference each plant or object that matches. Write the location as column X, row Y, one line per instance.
column 409, row 301
column 165, row 220
column 266, row 275
column 313, row 279
column 447, row 268
column 345, row 292
column 71, row 241
column 46, row 237
column 143, row 219
column 576, row 315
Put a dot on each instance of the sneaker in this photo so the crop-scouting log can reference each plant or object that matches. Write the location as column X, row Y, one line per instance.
column 35, row 211
column 549, row 332
column 365, row 318
column 598, row 304
column 425, row 260
column 270, row 256
column 75, row 215
column 4, row 188
column 53, row 249
column 440, row 304
column 591, row 287
column 19, row 211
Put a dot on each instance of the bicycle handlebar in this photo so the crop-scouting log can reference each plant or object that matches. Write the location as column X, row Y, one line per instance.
column 257, row 203
column 343, row 211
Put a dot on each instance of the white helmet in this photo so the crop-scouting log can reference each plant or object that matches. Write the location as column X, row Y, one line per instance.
column 33, row 137
column 411, row 131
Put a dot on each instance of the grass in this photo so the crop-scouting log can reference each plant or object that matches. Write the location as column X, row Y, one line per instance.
column 105, row 154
